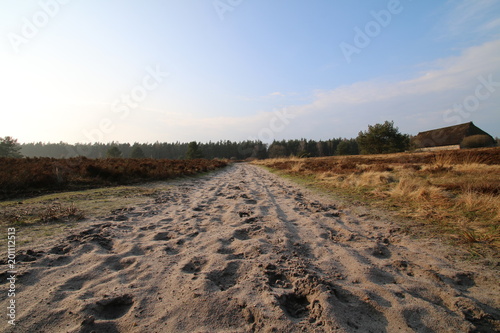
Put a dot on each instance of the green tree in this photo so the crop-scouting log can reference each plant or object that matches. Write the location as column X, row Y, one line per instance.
column 114, row 151
column 347, row 147
column 382, row 138
column 193, row 151
column 9, row 147
column 343, row 148
column 276, row 150
column 137, row 152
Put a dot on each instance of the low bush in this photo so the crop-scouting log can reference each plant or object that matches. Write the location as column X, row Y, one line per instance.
column 477, row 141
column 31, row 176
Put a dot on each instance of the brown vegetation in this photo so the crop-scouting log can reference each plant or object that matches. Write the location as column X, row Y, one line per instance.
column 456, row 193
column 31, row 176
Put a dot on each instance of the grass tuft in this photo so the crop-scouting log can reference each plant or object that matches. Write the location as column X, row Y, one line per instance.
column 456, row 194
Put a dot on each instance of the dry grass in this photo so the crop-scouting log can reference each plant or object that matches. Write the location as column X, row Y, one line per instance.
column 34, row 176
column 457, row 193
column 44, row 216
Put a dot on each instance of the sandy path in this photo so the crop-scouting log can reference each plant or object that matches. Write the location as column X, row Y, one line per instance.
column 242, row 250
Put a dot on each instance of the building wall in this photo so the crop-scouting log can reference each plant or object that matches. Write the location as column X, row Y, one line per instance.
column 452, row 147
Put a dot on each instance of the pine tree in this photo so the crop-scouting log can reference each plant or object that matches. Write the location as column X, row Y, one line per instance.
column 137, row 152
column 114, row 151
column 382, row 138
column 9, row 147
column 193, row 151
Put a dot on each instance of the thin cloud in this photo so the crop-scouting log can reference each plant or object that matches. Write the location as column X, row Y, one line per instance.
column 426, row 96
column 415, row 104
column 494, row 24
column 469, row 16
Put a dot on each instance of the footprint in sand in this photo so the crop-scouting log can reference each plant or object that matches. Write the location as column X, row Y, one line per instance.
column 294, row 305
column 58, row 261
column 162, row 236
column 194, row 265
column 276, row 278
column 230, row 253
column 247, row 233
column 75, row 283
column 241, row 234
column 380, row 277
column 226, row 278
column 117, row 263
column 148, row 227
column 245, row 213
column 171, row 250
column 380, row 251
column 112, row 308
column 29, row 256
column 94, row 235
column 252, row 219
column 60, row 249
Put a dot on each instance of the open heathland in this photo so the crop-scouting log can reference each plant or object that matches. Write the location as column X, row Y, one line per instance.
column 453, row 194
column 32, row 176
column 242, row 250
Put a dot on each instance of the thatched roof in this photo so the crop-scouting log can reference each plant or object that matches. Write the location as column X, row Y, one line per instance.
column 447, row 136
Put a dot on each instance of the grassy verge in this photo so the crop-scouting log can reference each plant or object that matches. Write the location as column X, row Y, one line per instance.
column 45, row 216
column 37, row 218
column 453, row 195
column 20, row 177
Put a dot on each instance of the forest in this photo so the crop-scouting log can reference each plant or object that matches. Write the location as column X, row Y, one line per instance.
column 221, row 149
column 378, row 139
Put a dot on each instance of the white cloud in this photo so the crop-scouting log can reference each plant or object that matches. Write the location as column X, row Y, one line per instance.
column 444, row 75
column 494, row 24
column 415, row 104
column 469, row 16
column 422, row 102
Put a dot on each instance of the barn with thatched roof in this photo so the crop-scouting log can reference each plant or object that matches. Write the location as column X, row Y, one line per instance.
column 453, row 137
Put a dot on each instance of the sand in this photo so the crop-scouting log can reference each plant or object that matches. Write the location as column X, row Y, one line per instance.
column 242, row 250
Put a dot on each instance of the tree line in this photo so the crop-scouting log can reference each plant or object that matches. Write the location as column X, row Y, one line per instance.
column 158, row 150
column 365, row 143
column 180, row 150
column 377, row 139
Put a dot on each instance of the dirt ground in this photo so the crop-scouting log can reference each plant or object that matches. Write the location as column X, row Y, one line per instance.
column 242, row 250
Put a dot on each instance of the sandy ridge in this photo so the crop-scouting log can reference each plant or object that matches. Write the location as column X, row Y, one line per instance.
column 242, row 250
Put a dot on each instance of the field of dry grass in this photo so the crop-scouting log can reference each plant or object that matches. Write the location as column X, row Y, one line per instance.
column 21, row 177
column 48, row 215
column 453, row 194
column 43, row 196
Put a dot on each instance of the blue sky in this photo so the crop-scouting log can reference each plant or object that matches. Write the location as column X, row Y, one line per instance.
column 183, row 70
